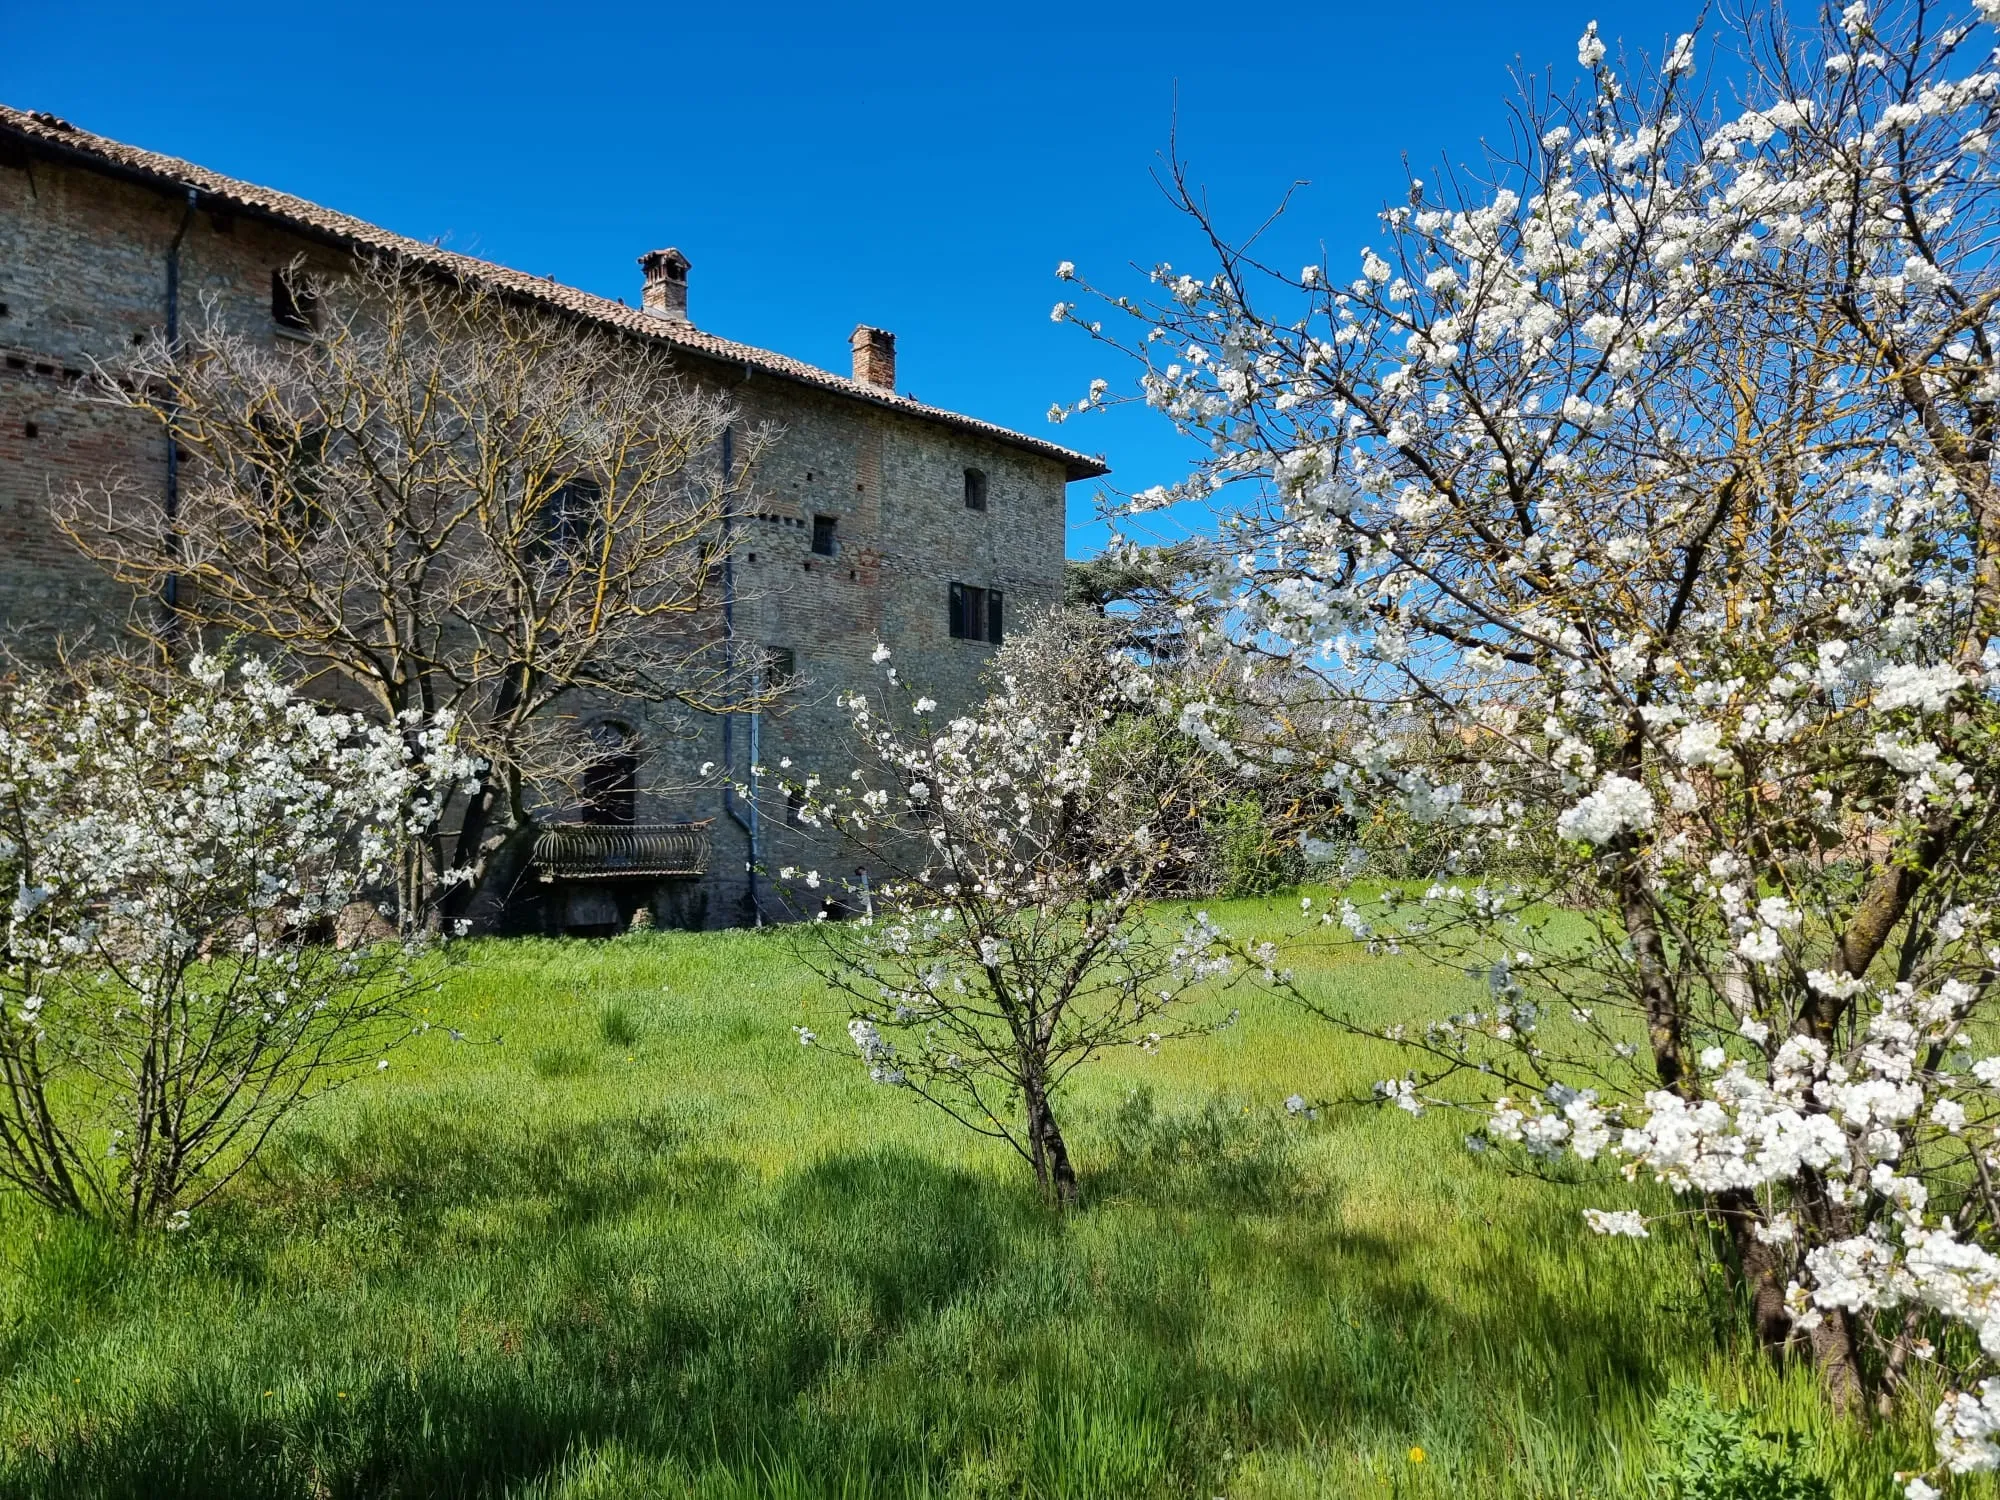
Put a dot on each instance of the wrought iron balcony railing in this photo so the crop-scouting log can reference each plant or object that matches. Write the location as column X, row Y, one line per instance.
column 613, row 851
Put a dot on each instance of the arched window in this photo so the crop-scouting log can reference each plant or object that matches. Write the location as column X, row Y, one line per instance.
column 611, row 780
column 567, row 521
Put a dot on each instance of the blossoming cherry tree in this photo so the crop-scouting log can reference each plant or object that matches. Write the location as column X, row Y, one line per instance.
column 1650, row 469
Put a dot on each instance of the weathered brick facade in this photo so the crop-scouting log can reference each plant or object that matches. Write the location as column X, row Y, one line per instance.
column 92, row 232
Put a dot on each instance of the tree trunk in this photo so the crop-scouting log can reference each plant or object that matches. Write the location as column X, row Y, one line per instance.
column 1663, row 1016
column 485, row 908
column 1839, row 1361
column 1053, row 1172
column 1761, row 1268
column 1764, row 1272
column 468, row 848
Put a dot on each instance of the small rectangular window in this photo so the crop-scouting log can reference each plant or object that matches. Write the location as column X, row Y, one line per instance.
column 975, row 613
column 975, row 489
column 823, row 535
column 783, row 665
column 294, row 305
column 292, row 477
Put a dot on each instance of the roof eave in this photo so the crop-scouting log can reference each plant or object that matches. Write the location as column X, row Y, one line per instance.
column 48, row 141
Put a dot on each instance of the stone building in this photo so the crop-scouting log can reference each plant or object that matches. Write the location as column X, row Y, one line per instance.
column 874, row 518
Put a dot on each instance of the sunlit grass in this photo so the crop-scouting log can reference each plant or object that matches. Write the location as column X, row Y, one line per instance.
column 644, row 1243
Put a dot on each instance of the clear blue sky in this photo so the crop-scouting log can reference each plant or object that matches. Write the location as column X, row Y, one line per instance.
column 921, row 168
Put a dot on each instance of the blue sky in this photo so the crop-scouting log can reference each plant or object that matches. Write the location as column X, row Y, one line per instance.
column 920, row 168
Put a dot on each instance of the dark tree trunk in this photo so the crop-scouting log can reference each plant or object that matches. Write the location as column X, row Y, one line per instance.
column 487, row 898
column 1839, row 1360
column 1762, row 1269
column 1053, row 1172
column 1765, row 1272
column 475, row 901
column 468, row 850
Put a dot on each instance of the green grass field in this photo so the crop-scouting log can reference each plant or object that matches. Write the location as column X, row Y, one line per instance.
column 648, row 1245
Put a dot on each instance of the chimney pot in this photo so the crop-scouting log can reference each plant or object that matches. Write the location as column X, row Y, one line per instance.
column 666, row 293
column 874, row 356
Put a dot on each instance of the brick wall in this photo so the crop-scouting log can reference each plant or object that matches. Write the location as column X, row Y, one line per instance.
column 83, row 275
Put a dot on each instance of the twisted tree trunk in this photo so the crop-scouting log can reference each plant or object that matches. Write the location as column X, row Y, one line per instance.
column 1053, row 1172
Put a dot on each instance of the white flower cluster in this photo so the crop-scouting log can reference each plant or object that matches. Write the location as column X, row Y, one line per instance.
column 1616, row 806
column 175, row 852
column 1859, row 1128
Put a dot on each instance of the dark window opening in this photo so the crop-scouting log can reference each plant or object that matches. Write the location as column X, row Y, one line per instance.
column 611, row 780
column 975, row 489
column 795, row 803
column 569, row 517
column 782, row 667
column 823, row 535
column 3, row 309
column 32, row 430
column 294, row 305
column 975, row 613
column 291, row 479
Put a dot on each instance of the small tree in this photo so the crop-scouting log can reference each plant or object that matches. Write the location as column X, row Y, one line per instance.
column 174, row 852
column 1011, row 940
column 444, row 501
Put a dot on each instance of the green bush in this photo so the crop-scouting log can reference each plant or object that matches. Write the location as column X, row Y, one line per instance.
column 1711, row 1454
column 1250, row 858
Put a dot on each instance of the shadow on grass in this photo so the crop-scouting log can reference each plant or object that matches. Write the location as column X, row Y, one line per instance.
column 870, row 1323
column 1223, row 1155
column 415, row 1174
column 697, row 1352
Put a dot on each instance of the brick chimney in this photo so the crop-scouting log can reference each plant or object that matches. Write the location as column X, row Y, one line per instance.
column 666, row 294
column 874, row 356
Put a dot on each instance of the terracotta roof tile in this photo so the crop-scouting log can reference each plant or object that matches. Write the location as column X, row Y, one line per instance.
column 62, row 139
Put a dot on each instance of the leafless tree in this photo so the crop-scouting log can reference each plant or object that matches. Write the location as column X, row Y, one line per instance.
column 442, row 502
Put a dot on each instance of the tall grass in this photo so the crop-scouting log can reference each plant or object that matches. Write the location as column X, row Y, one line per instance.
column 646, row 1244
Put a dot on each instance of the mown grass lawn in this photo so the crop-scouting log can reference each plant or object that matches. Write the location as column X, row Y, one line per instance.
column 646, row 1244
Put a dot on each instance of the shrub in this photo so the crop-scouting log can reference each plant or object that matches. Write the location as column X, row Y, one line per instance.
column 1711, row 1454
column 175, row 849
column 1251, row 859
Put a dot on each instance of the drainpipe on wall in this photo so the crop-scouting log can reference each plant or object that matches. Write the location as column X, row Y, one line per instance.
column 173, row 594
column 756, row 777
column 749, row 824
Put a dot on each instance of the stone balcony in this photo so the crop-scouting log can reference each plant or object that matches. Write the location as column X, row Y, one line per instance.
column 622, row 851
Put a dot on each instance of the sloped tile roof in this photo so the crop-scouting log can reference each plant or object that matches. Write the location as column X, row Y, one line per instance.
column 61, row 139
